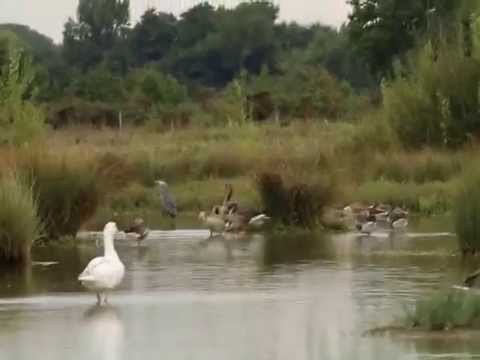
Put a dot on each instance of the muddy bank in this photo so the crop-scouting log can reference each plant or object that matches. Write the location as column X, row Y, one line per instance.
column 404, row 333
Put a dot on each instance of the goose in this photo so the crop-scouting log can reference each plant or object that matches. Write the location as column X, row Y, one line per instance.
column 104, row 273
column 366, row 224
column 471, row 279
column 214, row 221
column 138, row 230
column 243, row 220
column 259, row 221
column 367, row 228
column 399, row 224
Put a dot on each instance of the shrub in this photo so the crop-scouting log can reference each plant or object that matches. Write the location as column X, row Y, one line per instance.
column 19, row 222
column 444, row 311
column 467, row 214
column 67, row 192
column 298, row 204
column 437, row 102
column 20, row 120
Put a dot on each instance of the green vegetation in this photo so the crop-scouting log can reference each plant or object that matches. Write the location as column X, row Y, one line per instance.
column 445, row 311
column 300, row 119
column 67, row 192
column 20, row 120
column 19, row 221
column 467, row 214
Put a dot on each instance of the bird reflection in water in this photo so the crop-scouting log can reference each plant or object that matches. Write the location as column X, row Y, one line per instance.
column 104, row 332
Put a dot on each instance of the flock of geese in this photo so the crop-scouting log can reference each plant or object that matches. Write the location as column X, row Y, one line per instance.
column 231, row 217
column 105, row 273
column 367, row 219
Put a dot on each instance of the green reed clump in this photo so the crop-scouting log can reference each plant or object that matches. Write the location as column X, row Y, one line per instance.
column 67, row 191
column 298, row 203
column 445, row 311
column 20, row 225
column 467, row 214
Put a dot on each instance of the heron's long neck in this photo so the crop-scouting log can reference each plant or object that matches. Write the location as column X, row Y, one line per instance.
column 108, row 246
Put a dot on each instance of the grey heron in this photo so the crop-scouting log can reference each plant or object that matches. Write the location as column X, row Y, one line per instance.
column 167, row 198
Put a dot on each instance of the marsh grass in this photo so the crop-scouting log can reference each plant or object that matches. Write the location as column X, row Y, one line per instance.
column 467, row 214
column 294, row 202
column 67, row 192
column 20, row 224
column 337, row 163
column 445, row 311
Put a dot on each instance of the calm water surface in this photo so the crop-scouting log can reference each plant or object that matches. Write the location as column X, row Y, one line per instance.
column 273, row 297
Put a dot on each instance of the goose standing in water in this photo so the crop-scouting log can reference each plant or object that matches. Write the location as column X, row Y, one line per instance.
column 214, row 221
column 398, row 219
column 104, row 273
column 138, row 230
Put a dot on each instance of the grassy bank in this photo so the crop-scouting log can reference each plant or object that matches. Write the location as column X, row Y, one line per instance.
column 351, row 161
column 109, row 173
column 445, row 311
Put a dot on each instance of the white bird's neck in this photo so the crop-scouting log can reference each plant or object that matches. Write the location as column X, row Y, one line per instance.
column 108, row 246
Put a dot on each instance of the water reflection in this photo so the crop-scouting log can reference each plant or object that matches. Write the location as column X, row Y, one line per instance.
column 103, row 332
column 292, row 296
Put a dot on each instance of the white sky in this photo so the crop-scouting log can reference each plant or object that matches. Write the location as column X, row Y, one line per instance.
column 48, row 16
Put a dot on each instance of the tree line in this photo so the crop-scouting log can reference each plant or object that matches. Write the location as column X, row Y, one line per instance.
column 235, row 63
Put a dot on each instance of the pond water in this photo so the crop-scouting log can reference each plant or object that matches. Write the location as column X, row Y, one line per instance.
column 263, row 297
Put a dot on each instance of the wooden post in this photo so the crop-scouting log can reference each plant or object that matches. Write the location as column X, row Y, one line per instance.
column 120, row 120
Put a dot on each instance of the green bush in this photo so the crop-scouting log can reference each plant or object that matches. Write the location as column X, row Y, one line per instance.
column 67, row 192
column 445, row 311
column 20, row 120
column 434, row 99
column 467, row 214
column 296, row 203
column 19, row 221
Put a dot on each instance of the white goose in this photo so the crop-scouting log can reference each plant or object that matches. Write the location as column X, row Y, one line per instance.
column 106, row 272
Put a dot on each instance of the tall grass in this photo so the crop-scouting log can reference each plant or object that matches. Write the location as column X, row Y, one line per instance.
column 19, row 221
column 445, row 311
column 295, row 202
column 67, row 191
column 467, row 214
column 337, row 163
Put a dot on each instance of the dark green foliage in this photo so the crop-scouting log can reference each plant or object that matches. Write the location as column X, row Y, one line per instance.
column 298, row 204
column 467, row 215
column 382, row 30
column 67, row 193
column 20, row 225
column 99, row 27
column 446, row 311
column 436, row 102
column 153, row 37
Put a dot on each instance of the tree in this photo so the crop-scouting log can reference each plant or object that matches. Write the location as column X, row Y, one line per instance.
column 100, row 26
column 382, row 30
column 20, row 120
column 215, row 45
column 153, row 37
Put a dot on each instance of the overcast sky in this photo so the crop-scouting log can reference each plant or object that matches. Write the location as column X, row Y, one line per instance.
column 48, row 16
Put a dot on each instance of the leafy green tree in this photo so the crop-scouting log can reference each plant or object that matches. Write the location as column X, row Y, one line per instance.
column 215, row 45
column 20, row 120
column 98, row 84
column 99, row 27
column 382, row 30
column 153, row 37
